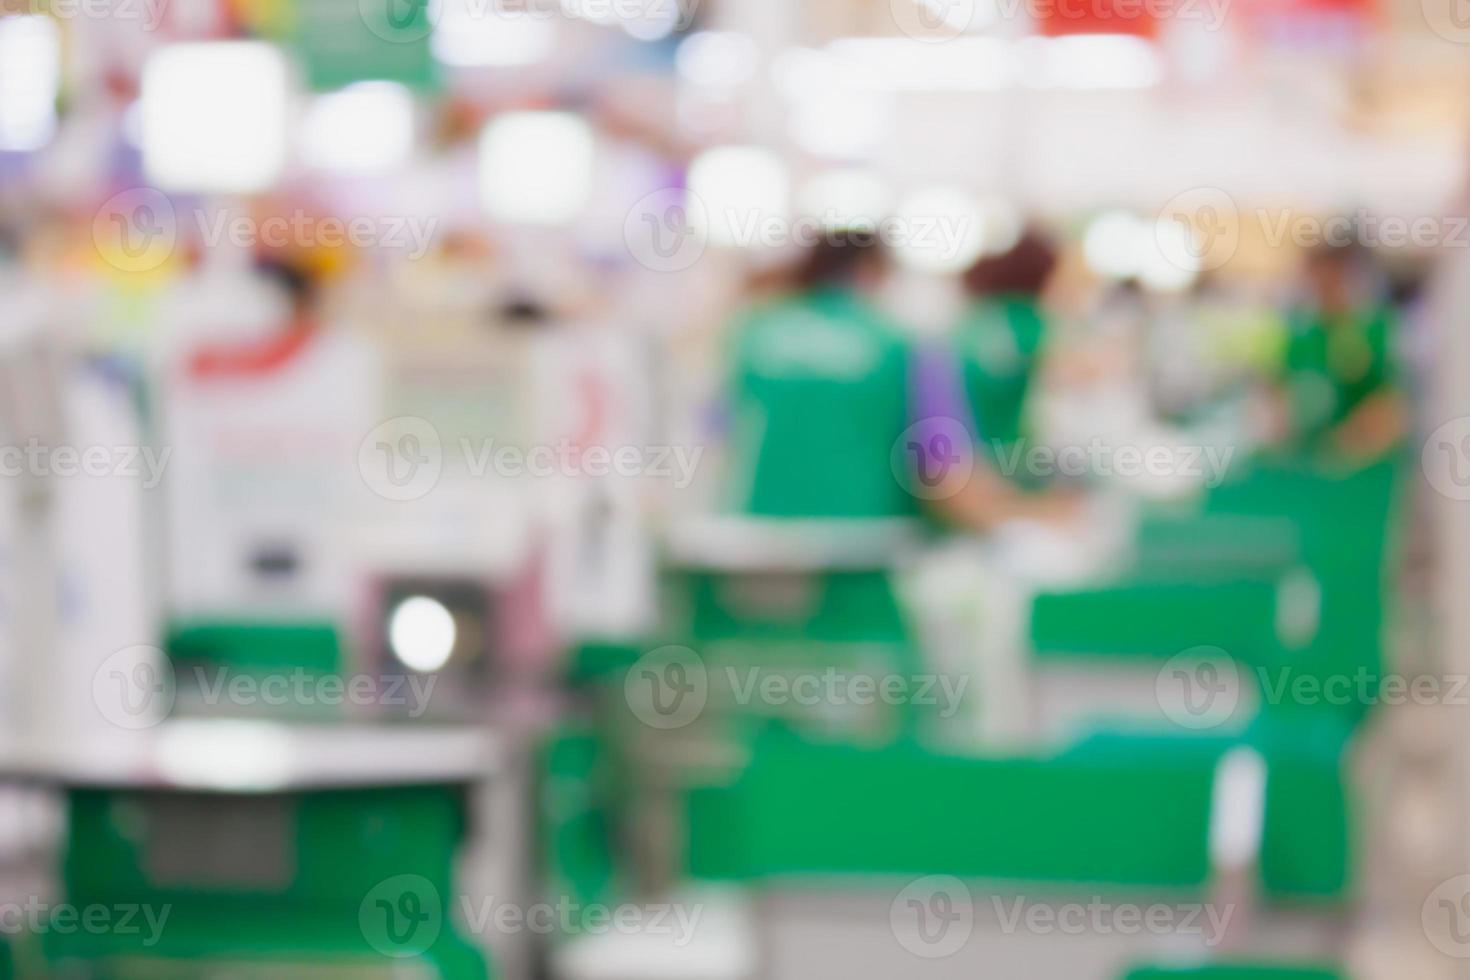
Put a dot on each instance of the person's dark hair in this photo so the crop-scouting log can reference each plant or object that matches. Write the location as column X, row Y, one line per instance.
column 299, row 285
column 839, row 259
column 1341, row 254
column 1023, row 269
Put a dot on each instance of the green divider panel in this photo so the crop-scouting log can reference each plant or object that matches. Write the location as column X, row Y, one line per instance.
column 253, row 648
column 1307, row 843
column 574, row 822
column 1132, row 814
column 279, row 884
column 346, row 41
column 1157, row 618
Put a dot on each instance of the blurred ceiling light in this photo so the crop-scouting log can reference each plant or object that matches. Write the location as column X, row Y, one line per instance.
column 30, row 76
column 1003, row 224
column 717, row 59
column 1114, row 244
column 741, row 188
column 841, row 122
column 364, row 128
column 214, row 116
column 1090, row 62
column 909, row 65
column 422, row 633
column 654, row 23
column 939, row 229
column 1169, row 261
column 840, row 197
column 536, row 167
column 956, row 15
column 470, row 33
column 797, row 70
column 644, row 20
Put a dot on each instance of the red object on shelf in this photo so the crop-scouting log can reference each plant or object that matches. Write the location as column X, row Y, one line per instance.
column 1059, row 18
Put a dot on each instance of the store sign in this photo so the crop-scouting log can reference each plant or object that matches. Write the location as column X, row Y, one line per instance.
column 1140, row 18
column 346, row 41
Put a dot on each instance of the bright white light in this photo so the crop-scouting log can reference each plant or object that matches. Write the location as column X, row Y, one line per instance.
column 841, row 122
column 717, row 59
column 234, row 755
column 1115, row 244
column 840, row 197
column 364, row 128
column 422, row 633
column 602, row 14
column 1090, row 61
column 30, row 74
column 942, row 229
column 1170, row 264
column 966, row 15
column 1238, row 809
column 796, row 71
column 535, row 167
column 468, row 33
column 1003, row 224
column 654, row 23
column 741, row 188
column 214, row 116
column 908, row 65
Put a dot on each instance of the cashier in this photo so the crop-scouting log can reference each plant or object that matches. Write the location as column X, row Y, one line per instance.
column 835, row 412
column 1339, row 387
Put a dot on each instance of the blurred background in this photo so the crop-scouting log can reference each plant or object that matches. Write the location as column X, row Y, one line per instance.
column 712, row 490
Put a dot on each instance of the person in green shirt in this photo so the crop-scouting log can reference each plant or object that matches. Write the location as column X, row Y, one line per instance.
column 819, row 393
column 835, row 413
column 1340, row 388
column 998, row 340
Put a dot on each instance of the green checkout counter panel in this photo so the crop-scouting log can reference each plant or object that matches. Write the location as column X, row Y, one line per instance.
column 267, row 851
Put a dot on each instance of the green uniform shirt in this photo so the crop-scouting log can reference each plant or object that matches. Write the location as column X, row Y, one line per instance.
column 819, row 397
column 1333, row 367
column 998, row 342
